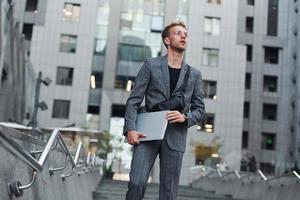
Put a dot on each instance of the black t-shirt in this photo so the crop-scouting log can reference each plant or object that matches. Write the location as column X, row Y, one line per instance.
column 174, row 75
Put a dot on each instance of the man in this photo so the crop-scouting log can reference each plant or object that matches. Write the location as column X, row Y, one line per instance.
column 158, row 79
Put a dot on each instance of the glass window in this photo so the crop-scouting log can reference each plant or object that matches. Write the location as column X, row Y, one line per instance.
column 141, row 23
column 68, row 43
column 269, row 111
column 210, row 89
column 249, row 52
column 118, row 110
column 61, row 109
column 214, row 1
column 182, row 10
column 268, row 141
column 272, row 23
column 96, row 80
column 136, row 53
column 212, row 25
column 101, row 31
column 31, row 5
column 99, row 46
column 270, row 84
column 126, row 21
column 94, row 96
column 208, row 124
column 210, row 57
column 124, row 82
column 245, row 138
column 158, row 7
column 27, row 31
column 267, row 168
column 249, row 24
column 244, row 165
column 157, row 24
column 103, row 13
column 248, row 81
column 250, row 2
column 71, row 12
column 246, row 110
column 271, row 55
column 93, row 109
column 64, row 76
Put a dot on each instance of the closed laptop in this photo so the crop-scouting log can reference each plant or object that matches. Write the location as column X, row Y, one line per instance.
column 152, row 124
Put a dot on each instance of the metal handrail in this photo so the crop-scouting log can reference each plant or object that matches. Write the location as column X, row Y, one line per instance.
column 296, row 174
column 76, row 160
column 235, row 172
column 37, row 165
column 219, row 173
column 278, row 177
column 79, row 149
column 41, row 151
column 51, row 170
column 22, row 187
column 15, row 149
column 216, row 171
column 262, row 175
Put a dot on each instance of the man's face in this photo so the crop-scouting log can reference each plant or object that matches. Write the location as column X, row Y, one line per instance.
column 177, row 38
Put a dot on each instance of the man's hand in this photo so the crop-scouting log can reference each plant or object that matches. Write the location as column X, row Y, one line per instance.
column 175, row 116
column 134, row 136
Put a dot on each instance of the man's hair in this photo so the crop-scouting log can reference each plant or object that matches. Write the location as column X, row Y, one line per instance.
column 165, row 33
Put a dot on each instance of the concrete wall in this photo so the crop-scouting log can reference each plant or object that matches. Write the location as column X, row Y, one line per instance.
column 254, row 187
column 45, row 186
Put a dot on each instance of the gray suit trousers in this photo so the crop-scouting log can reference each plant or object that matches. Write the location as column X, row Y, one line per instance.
column 143, row 159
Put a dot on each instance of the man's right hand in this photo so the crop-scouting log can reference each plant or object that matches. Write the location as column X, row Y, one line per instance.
column 134, row 136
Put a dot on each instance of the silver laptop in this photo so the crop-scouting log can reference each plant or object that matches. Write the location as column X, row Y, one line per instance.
column 152, row 124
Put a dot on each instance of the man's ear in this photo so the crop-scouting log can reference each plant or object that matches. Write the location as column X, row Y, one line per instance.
column 167, row 41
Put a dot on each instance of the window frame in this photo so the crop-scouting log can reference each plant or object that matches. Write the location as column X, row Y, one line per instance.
column 68, row 37
column 59, row 115
column 71, row 16
column 210, row 53
column 67, row 82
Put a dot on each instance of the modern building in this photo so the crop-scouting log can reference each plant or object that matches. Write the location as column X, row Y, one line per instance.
column 269, row 31
column 92, row 50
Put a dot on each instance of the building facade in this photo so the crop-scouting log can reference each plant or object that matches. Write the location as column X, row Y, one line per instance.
column 271, row 112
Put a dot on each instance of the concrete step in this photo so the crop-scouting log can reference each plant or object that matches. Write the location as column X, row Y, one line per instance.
column 154, row 188
column 150, row 197
column 116, row 190
column 117, row 196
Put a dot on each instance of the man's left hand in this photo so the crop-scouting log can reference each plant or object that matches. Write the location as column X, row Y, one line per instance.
column 175, row 116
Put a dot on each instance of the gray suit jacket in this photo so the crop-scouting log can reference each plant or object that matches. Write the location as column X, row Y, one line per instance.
column 153, row 83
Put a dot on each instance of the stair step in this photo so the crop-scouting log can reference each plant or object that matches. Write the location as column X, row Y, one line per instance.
column 116, row 190
column 150, row 197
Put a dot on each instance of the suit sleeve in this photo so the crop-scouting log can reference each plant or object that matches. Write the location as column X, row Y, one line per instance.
column 197, row 108
column 136, row 97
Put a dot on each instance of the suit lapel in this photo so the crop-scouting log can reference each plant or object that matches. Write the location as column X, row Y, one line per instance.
column 181, row 77
column 166, row 76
